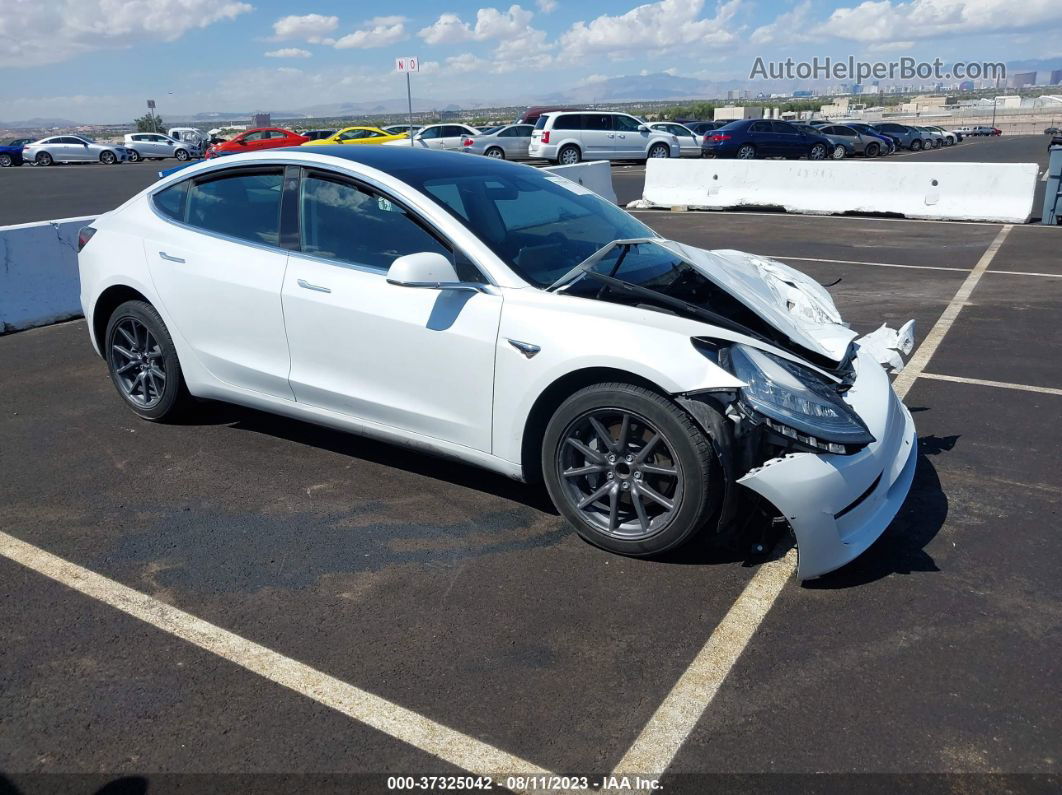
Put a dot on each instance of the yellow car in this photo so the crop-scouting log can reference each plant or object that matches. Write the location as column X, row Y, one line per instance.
column 359, row 135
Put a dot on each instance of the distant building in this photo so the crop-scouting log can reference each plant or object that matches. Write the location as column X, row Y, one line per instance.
column 732, row 93
column 731, row 112
column 1021, row 79
column 261, row 120
column 966, row 85
column 802, row 94
column 1055, row 77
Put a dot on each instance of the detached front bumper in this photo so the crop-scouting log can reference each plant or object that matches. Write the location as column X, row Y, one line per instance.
column 838, row 505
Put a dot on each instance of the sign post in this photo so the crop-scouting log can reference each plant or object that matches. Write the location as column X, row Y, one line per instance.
column 408, row 65
column 151, row 112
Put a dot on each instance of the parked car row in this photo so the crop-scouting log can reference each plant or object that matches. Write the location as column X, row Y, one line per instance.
column 182, row 143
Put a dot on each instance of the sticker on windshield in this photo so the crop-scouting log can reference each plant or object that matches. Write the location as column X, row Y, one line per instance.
column 574, row 187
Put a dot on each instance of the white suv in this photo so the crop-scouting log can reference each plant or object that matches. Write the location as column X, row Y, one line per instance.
column 566, row 138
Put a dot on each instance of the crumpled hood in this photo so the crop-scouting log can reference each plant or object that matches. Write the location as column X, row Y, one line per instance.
column 789, row 300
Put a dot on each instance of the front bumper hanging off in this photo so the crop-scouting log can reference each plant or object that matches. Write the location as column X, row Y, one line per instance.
column 838, row 505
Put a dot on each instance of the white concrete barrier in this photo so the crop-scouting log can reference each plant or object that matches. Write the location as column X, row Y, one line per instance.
column 39, row 281
column 595, row 175
column 1002, row 192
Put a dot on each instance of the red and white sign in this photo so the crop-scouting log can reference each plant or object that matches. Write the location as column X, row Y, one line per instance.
column 407, row 65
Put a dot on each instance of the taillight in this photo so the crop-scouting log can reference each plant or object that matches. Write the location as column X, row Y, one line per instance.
column 84, row 235
column 545, row 137
column 717, row 137
column 467, row 142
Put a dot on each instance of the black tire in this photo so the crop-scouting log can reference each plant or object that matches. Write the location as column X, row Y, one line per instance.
column 44, row 159
column 134, row 156
column 181, row 155
column 872, row 150
column 916, row 145
column 108, row 158
column 818, row 152
column 937, row 143
column 6, row 161
column 569, row 155
column 682, row 449
column 660, row 150
column 746, row 152
column 161, row 404
column 495, row 152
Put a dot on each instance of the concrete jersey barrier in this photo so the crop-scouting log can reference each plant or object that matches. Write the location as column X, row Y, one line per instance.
column 595, row 175
column 39, row 281
column 1000, row 192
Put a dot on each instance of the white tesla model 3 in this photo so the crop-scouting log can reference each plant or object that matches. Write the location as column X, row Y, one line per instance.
column 510, row 318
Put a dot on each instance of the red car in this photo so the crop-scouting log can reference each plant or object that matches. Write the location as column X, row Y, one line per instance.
column 256, row 140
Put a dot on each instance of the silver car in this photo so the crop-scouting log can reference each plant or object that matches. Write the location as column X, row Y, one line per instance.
column 853, row 141
column 689, row 141
column 504, row 143
column 156, row 145
column 72, row 149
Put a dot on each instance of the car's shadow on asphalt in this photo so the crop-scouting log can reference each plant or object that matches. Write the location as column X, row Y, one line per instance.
column 366, row 449
column 901, row 548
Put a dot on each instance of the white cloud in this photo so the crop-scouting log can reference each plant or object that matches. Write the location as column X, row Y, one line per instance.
column 491, row 23
column 288, row 52
column 34, row 33
column 887, row 21
column 791, row 26
column 653, row 27
column 313, row 28
column 379, row 32
column 546, row 6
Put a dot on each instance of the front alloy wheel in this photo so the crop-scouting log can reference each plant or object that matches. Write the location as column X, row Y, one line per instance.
column 629, row 469
column 660, row 151
column 838, row 152
column 108, row 158
column 818, row 152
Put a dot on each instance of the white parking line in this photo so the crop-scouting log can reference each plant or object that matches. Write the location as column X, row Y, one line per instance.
column 933, row 339
column 875, row 264
column 662, row 737
column 1044, row 390
column 441, row 741
column 663, row 212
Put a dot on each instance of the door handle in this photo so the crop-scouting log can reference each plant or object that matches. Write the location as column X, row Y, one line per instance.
column 168, row 258
column 315, row 287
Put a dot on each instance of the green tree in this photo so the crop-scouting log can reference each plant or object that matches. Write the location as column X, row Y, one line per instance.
column 147, row 123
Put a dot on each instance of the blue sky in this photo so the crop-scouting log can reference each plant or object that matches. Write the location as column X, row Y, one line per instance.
column 97, row 60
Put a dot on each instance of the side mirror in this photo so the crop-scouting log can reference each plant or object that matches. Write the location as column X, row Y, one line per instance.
column 241, row 142
column 426, row 269
column 642, row 128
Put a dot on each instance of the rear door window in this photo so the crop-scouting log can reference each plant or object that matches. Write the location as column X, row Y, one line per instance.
column 597, row 121
column 242, row 204
column 569, row 121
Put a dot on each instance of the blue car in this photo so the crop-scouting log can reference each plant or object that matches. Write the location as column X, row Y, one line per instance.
column 751, row 138
column 11, row 152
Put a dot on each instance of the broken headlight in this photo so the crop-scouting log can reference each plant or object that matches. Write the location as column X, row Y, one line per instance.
column 795, row 401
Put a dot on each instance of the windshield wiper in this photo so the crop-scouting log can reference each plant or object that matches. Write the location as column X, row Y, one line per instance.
column 704, row 314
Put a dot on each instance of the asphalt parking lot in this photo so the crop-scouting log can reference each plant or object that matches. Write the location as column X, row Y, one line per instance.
column 359, row 578
column 30, row 193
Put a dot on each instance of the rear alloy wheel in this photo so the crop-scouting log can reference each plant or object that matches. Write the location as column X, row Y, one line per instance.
column 495, row 152
column 872, row 150
column 108, row 158
column 838, row 152
column 659, row 150
column 44, row 159
column 569, row 156
column 746, row 152
column 181, row 155
column 630, row 470
column 143, row 364
column 6, row 161
column 818, row 152
column 134, row 156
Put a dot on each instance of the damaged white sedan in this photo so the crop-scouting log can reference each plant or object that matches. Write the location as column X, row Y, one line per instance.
column 508, row 317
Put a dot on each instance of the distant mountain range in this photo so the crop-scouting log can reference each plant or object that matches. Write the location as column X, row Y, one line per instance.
column 37, row 124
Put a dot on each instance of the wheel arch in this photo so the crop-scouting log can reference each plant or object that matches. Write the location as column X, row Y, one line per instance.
column 109, row 300
column 550, row 399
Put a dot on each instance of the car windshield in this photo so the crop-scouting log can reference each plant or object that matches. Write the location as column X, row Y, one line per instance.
column 539, row 224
